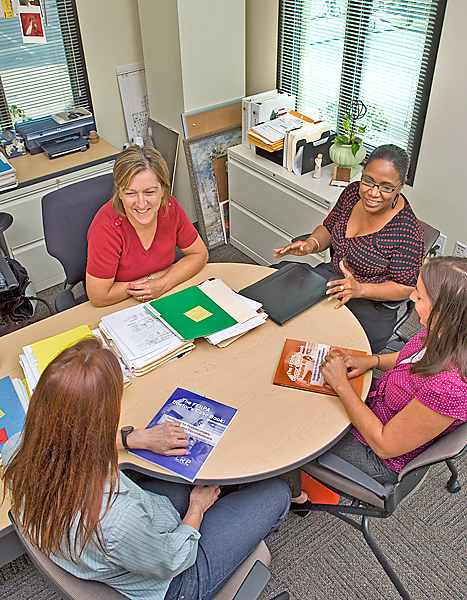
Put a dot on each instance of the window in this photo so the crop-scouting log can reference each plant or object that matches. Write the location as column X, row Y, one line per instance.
column 333, row 53
column 41, row 79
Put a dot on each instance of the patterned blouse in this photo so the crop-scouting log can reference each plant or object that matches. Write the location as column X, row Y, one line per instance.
column 395, row 253
column 445, row 393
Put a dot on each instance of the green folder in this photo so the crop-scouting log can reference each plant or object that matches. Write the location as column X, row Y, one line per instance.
column 191, row 313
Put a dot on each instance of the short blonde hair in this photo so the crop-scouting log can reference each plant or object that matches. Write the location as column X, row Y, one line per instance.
column 134, row 160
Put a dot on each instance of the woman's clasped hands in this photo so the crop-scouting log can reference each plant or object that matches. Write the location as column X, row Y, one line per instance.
column 147, row 288
column 344, row 289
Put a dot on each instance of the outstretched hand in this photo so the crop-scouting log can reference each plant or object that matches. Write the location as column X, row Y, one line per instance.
column 344, row 289
column 296, row 249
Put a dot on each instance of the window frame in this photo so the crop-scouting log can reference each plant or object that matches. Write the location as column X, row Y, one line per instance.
column 74, row 53
column 351, row 76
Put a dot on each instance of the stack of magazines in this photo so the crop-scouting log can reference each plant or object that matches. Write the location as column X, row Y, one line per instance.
column 142, row 341
column 8, row 178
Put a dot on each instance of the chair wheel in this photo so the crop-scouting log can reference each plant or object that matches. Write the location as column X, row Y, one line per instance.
column 453, row 487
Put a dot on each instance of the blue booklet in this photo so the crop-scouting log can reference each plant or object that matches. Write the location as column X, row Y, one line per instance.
column 12, row 413
column 204, row 421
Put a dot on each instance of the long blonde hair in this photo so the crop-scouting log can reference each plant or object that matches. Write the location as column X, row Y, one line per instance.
column 57, row 476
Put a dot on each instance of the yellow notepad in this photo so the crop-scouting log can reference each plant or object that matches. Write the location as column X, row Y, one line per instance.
column 46, row 350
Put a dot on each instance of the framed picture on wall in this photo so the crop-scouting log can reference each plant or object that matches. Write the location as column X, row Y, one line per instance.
column 206, row 157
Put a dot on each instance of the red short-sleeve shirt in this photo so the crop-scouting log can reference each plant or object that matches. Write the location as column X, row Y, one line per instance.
column 115, row 250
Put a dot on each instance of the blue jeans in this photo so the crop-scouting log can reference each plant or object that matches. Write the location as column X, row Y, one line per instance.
column 231, row 529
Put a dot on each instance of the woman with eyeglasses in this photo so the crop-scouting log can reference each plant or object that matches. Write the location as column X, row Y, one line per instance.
column 376, row 244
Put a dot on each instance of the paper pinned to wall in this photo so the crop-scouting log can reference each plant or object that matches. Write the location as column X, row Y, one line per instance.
column 134, row 94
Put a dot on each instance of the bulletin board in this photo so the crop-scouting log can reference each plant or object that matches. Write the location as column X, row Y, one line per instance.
column 212, row 118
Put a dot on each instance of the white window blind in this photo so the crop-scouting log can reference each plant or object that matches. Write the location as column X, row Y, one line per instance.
column 42, row 79
column 333, row 53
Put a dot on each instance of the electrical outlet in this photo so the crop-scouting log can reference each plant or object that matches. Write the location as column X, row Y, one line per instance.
column 440, row 244
column 460, row 250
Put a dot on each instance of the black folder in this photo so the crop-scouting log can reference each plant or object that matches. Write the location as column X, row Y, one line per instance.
column 288, row 291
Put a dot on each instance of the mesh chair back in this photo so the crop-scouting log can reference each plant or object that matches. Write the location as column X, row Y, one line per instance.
column 66, row 215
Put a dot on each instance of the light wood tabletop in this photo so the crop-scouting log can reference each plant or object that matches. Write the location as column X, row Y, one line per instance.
column 276, row 428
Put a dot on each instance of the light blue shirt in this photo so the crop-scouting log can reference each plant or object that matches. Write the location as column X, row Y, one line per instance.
column 146, row 544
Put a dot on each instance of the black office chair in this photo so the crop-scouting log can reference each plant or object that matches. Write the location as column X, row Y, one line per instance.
column 245, row 583
column 66, row 215
column 372, row 499
column 430, row 235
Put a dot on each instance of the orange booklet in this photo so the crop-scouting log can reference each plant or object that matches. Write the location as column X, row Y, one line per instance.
column 299, row 367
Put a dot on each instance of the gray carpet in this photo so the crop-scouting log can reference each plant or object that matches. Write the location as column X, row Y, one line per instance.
column 321, row 558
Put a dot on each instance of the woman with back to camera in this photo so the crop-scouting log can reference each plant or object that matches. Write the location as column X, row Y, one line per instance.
column 132, row 239
column 376, row 243
column 149, row 540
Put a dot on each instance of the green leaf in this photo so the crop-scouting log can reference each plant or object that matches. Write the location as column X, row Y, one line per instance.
column 355, row 148
column 357, row 140
column 341, row 139
column 361, row 129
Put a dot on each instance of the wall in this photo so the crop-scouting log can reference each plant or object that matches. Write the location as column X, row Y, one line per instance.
column 197, row 59
column 111, row 38
column 439, row 195
column 261, row 45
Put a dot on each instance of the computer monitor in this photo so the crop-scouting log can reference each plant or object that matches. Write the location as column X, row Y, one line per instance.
column 165, row 140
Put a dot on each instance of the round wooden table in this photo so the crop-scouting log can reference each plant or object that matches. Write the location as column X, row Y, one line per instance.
column 276, row 428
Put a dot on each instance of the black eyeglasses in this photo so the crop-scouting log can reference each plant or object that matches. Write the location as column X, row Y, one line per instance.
column 384, row 188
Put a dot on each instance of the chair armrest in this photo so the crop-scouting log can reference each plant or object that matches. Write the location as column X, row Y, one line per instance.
column 254, row 583
column 341, row 467
column 395, row 304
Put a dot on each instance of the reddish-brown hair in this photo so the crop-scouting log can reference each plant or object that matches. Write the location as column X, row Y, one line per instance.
column 57, row 476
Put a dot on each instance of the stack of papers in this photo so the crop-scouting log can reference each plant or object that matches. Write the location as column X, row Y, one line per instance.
column 14, row 402
column 142, row 341
column 211, row 310
column 264, row 107
column 218, row 289
column 270, row 135
column 37, row 356
column 8, row 178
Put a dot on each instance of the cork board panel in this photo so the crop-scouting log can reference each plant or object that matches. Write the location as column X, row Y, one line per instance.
column 212, row 119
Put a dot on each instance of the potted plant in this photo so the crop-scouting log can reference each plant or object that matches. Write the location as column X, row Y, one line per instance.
column 347, row 149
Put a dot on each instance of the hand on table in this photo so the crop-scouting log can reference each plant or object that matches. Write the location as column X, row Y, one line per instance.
column 357, row 365
column 296, row 249
column 344, row 289
column 168, row 439
column 334, row 370
column 145, row 289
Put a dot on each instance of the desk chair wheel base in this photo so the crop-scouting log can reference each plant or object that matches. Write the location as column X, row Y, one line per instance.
column 453, row 486
column 373, row 499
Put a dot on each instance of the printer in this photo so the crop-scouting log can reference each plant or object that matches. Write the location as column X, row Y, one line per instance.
column 58, row 134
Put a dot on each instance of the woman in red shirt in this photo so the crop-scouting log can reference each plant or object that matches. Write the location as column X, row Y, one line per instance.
column 132, row 239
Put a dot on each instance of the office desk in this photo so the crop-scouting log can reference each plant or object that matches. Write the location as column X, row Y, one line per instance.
column 276, row 428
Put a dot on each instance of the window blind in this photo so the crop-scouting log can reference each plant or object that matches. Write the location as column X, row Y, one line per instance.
column 42, row 79
column 333, row 53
